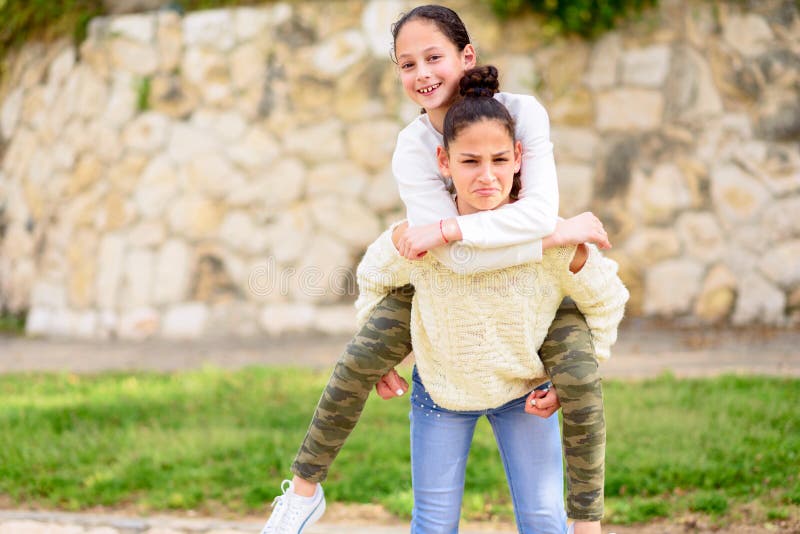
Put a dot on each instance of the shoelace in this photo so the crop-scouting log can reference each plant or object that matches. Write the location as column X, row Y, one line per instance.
column 279, row 517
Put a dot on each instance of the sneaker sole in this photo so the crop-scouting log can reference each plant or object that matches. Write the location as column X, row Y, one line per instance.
column 314, row 517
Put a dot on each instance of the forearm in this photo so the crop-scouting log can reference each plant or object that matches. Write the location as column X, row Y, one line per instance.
column 442, row 240
column 451, row 231
column 577, row 230
column 523, row 221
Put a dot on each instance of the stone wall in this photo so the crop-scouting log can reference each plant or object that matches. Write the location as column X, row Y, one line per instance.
column 220, row 173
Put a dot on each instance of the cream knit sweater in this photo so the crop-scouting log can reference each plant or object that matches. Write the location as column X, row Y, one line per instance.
column 476, row 337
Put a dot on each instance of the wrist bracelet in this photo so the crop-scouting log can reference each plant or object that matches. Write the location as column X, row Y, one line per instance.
column 441, row 229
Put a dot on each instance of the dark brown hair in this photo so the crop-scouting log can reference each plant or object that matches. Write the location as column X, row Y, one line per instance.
column 447, row 21
column 477, row 88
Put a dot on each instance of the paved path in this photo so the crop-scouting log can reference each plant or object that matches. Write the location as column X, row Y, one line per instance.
column 20, row 522
column 644, row 349
column 15, row 522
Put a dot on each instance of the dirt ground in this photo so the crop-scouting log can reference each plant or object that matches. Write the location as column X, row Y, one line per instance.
column 375, row 515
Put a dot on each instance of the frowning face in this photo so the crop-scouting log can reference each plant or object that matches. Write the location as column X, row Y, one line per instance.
column 482, row 161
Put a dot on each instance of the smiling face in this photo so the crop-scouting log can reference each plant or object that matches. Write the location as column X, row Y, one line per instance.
column 431, row 66
column 482, row 161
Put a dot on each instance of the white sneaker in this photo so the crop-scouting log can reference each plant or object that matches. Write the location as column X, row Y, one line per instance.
column 292, row 513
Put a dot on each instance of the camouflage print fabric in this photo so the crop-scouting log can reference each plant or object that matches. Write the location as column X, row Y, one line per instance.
column 568, row 356
column 383, row 342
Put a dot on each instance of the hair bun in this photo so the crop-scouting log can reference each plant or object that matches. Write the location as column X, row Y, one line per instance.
column 480, row 82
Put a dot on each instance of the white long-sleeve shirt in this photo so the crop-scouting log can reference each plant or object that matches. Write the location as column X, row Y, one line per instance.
column 510, row 235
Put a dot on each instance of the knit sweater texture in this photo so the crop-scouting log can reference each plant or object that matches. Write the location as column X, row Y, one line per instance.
column 476, row 337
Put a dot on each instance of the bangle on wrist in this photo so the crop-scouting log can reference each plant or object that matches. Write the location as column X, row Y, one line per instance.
column 441, row 230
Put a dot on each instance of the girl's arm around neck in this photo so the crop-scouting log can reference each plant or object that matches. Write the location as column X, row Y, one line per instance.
column 534, row 215
column 428, row 201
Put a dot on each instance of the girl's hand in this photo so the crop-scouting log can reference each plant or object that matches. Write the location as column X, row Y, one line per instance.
column 546, row 402
column 583, row 228
column 413, row 243
column 391, row 385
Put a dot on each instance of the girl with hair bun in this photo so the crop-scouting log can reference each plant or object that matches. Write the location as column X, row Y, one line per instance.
column 476, row 336
column 432, row 50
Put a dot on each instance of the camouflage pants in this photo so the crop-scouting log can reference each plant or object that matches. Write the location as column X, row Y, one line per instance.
column 384, row 341
column 568, row 357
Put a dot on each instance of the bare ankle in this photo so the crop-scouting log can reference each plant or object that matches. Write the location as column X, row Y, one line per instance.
column 304, row 488
column 587, row 527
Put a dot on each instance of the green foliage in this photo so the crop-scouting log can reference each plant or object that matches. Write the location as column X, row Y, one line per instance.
column 588, row 18
column 143, row 94
column 24, row 20
column 195, row 5
column 12, row 323
column 213, row 440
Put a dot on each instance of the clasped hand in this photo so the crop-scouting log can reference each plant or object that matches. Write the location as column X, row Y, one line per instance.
column 583, row 228
column 414, row 242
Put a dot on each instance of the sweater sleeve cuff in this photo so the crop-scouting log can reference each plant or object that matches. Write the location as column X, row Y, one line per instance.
column 390, row 258
column 602, row 351
column 596, row 274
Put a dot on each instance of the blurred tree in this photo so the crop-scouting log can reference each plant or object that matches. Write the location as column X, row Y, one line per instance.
column 24, row 20
column 588, row 18
column 131, row 6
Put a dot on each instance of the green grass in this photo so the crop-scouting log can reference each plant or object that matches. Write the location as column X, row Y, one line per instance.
column 215, row 441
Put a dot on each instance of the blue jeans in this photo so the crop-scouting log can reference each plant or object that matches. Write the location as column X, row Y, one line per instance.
column 530, row 448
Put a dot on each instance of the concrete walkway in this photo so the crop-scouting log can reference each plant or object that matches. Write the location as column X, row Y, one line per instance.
column 21, row 522
column 645, row 349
